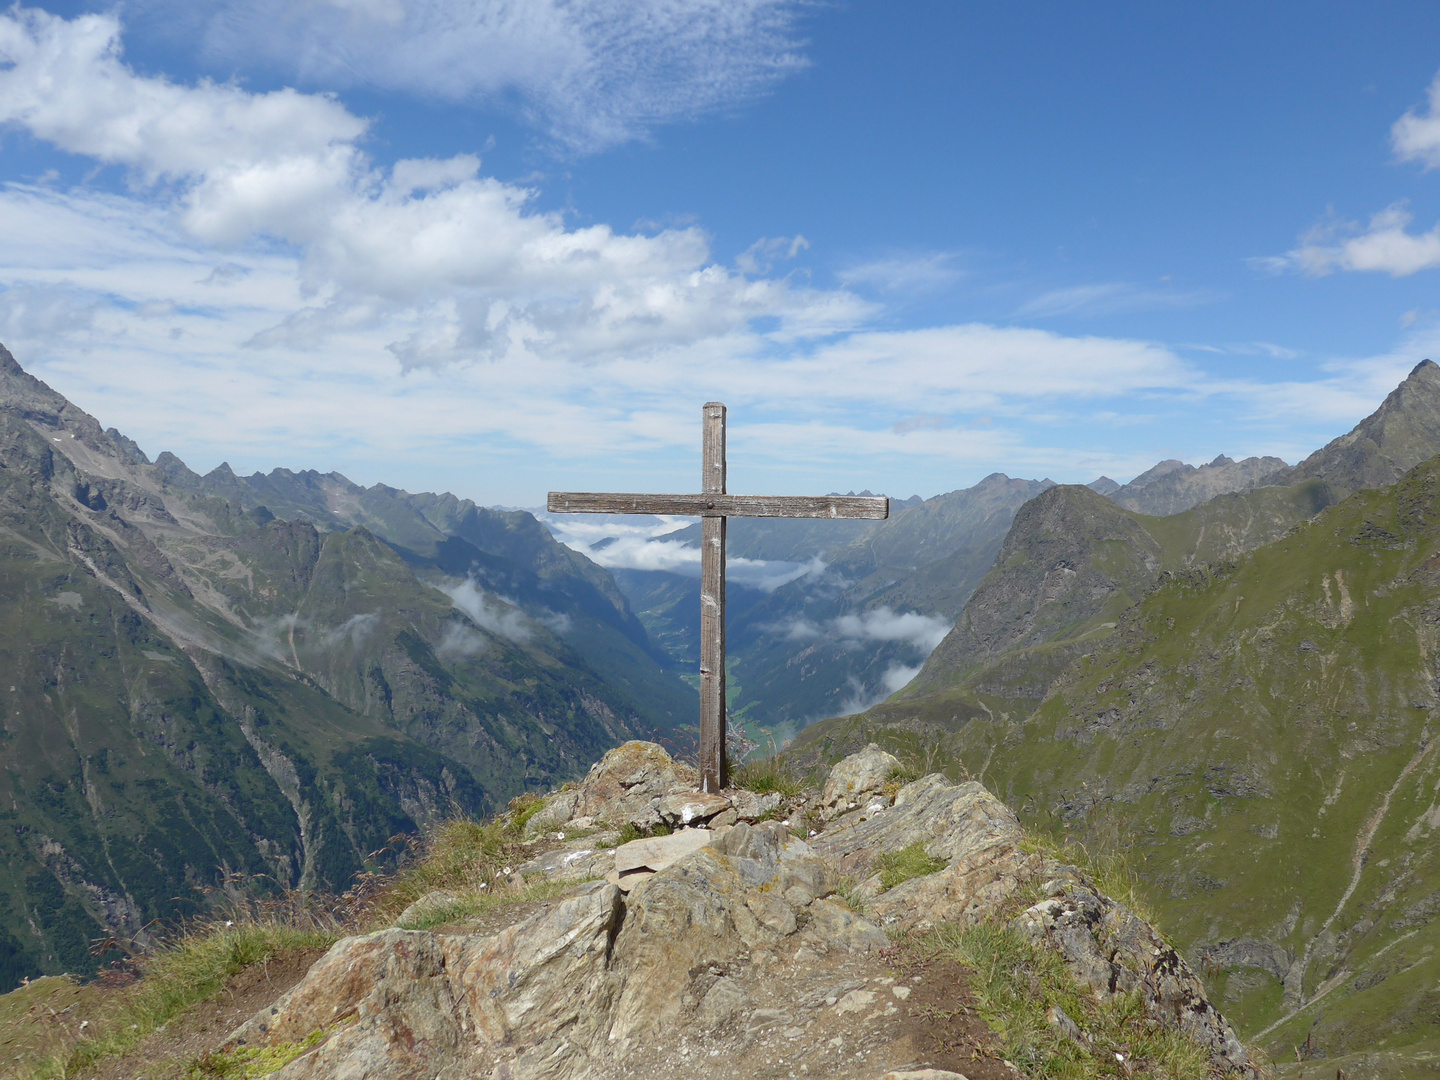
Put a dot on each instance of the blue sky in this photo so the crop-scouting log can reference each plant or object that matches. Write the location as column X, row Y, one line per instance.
column 498, row 248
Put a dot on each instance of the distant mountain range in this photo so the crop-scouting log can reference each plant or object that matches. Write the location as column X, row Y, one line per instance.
column 1243, row 698
column 868, row 601
column 269, row 676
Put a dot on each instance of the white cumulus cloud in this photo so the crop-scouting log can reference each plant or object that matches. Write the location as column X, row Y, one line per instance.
column 455, row 265
column 1416, row 136
column 1385, row 245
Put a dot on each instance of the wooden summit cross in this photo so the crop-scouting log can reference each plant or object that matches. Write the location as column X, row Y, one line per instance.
column 713, row 506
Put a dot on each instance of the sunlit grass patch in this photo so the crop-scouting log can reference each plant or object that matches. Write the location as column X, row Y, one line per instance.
column 1019, row 985
column 1105, row 863
column 908, row 862
column 252, row 1062
column 186, row 970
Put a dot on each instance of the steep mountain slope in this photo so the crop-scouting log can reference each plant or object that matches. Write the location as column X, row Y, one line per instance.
column 508, row 554
column 1073, row 561
column 1244, row 696
column 197, row 689
column 1264, row 732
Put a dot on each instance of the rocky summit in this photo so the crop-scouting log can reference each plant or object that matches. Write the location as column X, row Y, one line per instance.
column 761, row 946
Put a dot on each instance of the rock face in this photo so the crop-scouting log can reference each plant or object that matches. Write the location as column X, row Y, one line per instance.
column 1172, row 486
column 1379, row 450
column 732, row 947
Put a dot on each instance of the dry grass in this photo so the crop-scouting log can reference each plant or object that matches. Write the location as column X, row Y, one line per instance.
column 194, row 962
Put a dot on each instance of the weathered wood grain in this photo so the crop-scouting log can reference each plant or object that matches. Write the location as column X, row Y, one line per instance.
column 716, row 505
column 713, row 766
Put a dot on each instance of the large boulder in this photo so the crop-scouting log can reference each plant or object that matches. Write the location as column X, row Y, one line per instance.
column 409, row 1005
column 624, row 787
column 855, row 779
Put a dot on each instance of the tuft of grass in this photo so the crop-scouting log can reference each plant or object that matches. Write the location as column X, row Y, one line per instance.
column 908, row 862
column 252, row 1062
column 1016, row 983
column 522, row 809
column 769, row 776
column 478, row 903
column 848, row 890
column 459, row 854
column 1105, row 864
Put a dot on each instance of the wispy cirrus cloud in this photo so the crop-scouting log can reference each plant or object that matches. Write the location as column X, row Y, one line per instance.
column 1110, row 298
column 586, row 73
column 909, row 273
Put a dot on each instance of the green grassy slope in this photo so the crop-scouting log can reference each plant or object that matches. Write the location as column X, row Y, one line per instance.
column 1259, row 733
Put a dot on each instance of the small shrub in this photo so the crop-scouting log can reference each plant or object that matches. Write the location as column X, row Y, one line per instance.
column 909, row 862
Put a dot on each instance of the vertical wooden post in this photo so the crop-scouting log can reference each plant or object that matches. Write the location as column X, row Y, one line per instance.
column 713, row 767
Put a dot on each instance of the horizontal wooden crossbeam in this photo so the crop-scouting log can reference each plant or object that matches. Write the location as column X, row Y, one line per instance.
column 872, row 507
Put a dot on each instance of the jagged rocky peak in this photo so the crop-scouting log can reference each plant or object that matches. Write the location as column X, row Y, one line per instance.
column 1172, row 486
column 724, row 946
column 1401, row 433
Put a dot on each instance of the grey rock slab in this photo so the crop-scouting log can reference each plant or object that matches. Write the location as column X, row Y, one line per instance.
column 947, row 818
column 691, row 808
column 723, row 1001
column 576, row 860
column 707, row 909
column 749, row 805
column 1110, row 950
column 655, row 853
column 418, row 1004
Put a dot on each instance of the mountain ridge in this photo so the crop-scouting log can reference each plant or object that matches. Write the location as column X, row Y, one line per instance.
column 199, row 688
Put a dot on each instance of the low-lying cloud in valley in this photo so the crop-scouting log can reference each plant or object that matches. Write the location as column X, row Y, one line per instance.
column 498, row 615
column 644, row 543
column 924, row 632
